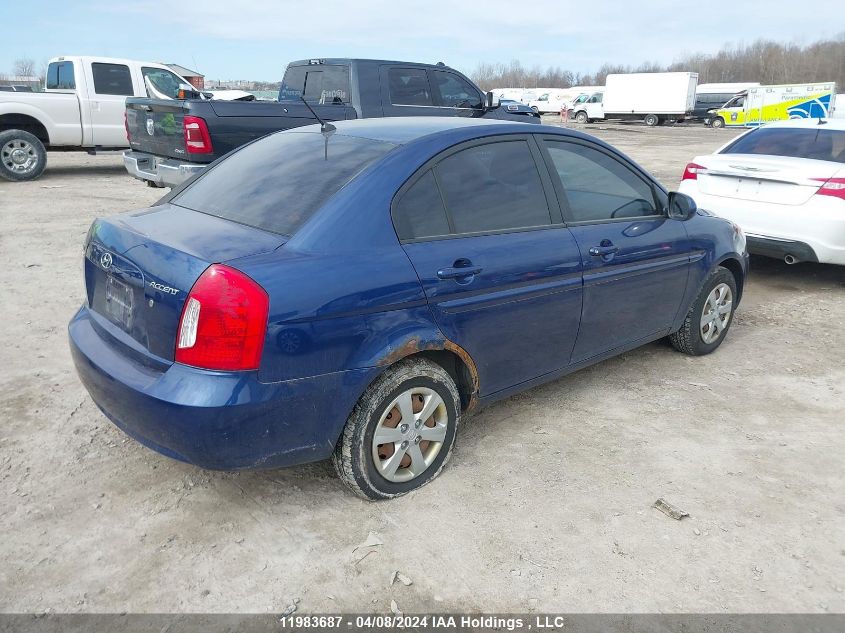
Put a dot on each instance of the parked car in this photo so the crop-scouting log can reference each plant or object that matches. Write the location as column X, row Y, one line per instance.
column 784, row 184
column 354, row 299
column 82, row 108
column 173, row 140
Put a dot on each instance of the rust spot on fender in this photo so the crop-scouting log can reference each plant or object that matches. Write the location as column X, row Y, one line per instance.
column 414, row 346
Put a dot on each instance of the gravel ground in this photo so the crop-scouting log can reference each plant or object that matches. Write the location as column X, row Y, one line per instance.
column 546, row 504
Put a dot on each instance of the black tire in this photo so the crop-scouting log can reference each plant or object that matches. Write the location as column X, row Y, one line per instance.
column 651, row 120
column 581, row 117
column 536, row 110
column 717, row 122
column 20, row 145
column 689, row 339
column 353, row 456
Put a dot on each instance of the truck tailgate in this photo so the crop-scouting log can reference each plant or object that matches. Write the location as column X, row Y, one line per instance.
column 155, row 126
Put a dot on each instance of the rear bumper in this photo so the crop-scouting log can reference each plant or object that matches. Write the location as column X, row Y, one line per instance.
column 167, row 172
column 779, row 249
column 215, row 420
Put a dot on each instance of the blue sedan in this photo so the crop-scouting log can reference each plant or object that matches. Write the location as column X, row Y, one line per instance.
column 350, row 291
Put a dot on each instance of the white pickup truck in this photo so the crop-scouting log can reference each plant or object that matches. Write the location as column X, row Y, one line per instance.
column 81, row 109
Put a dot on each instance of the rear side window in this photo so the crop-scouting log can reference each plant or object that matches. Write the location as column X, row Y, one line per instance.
column 815, row 142
column 60, row 76
column 112, row 79
column 163, row 80
column 598, row 187
column 409, row 86
column 321, row 83
column 493, row 187
column 454, row 91
column 420, row 211
column 277, row 183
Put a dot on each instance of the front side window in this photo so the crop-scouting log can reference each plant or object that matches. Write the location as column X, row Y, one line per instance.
column 112, row 79
column 454, row 91
column 495, row 186
column 409, row 86
column 277, row 183
column 599, row 187
column 816, row 142
column 163, row 80
column 60, row 76
column 420, row 211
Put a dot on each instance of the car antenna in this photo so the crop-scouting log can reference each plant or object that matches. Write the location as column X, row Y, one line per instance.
column 324, row 127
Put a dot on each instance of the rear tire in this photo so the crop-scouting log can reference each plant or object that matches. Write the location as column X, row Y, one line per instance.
column 718, row 122
column 710, row 316
column 22, row 156
column 406, row 460
column 651, row 120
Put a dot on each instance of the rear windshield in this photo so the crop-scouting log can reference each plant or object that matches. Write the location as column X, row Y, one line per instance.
column 277, row 183
column 321, row 83
column 818, row 142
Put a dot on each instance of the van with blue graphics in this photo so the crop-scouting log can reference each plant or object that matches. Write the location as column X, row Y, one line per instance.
column 765, row 104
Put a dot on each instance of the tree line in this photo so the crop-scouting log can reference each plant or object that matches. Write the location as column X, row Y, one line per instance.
column 763, row 61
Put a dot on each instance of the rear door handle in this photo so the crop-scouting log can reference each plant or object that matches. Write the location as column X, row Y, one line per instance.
column 456, row 273
column 601, row 251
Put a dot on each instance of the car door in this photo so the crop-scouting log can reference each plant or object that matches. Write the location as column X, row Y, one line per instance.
column 110, row 85
column 406, row 91
column 636, row 259
column 501, row 273
column 595, row 109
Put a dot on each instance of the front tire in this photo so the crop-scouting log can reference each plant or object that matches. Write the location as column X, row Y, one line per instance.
column 710, row 316
column 581, row 117
column 22, row 156
column 718, row 122
column 401, row 432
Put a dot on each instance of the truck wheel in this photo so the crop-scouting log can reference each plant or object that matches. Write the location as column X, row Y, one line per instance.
column 22, row 155
column 536, row 109
column 717, row 122
column 651, row 120
column 581, row 117
column 401, row 433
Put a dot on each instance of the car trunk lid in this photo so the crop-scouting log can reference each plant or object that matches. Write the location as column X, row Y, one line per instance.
column 771, row 179
column 140, row 267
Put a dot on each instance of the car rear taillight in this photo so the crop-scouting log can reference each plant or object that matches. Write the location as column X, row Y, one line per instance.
column 223, row 322
column 197, row 138
column 692, row 170
column 126, row 126
column 832, row 187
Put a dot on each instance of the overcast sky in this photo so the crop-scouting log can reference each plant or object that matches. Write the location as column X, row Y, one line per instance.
column 254, row 39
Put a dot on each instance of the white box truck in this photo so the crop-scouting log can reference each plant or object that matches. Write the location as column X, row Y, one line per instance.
column 649, row 97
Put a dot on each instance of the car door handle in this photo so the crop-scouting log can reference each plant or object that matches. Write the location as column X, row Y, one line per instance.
column 601, row 251
column 458, row 272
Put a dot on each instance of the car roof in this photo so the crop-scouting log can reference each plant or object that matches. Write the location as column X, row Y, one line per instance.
column 317, row 61
column 402, row 130
column 829, row 124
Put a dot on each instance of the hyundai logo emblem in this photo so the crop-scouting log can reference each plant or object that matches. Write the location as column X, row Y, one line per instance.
column 105, row 260
column 151, row 126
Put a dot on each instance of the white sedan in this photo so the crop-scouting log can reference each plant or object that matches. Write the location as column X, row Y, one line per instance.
column 783, row 184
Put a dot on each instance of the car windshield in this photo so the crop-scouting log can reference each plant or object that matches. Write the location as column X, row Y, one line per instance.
column 277, row 183
column 817, row 142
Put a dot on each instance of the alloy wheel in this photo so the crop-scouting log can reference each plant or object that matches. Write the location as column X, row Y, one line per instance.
column 716, row 313
column 19, row 156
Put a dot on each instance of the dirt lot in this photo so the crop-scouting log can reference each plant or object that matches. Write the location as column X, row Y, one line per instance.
column 545, row 505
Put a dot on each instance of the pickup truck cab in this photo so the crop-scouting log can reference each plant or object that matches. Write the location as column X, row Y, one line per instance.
column 82, row 108
column 171, row 140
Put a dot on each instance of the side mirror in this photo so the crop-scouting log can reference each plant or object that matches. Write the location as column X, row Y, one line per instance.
column 492, row 100
column 681, row 206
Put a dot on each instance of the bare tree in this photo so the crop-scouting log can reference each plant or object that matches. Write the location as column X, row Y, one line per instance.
column 764, row 61
column 24, row 67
